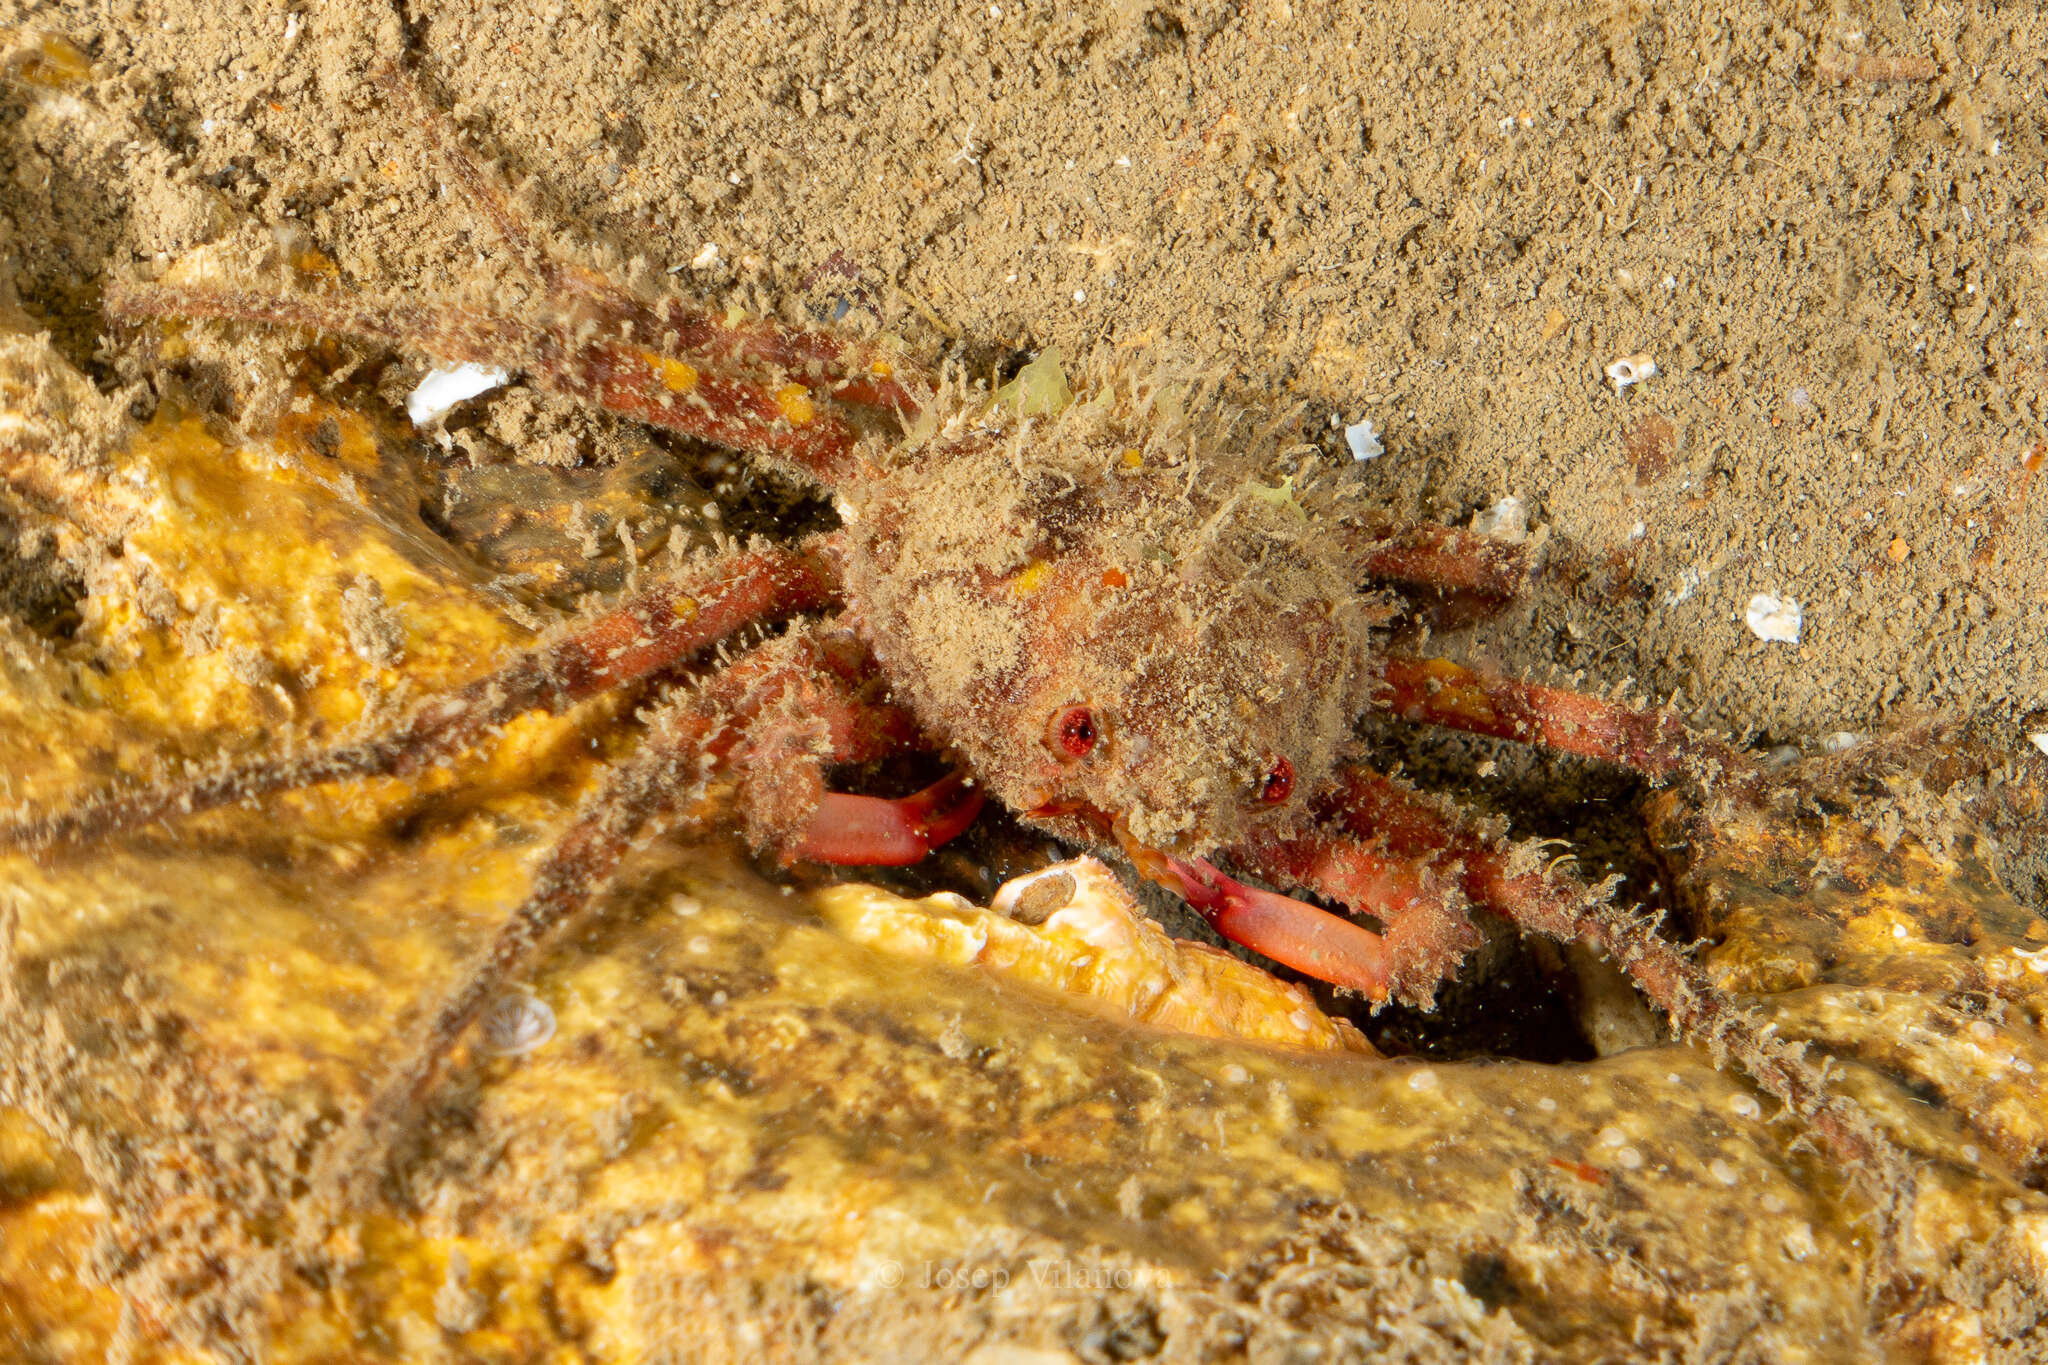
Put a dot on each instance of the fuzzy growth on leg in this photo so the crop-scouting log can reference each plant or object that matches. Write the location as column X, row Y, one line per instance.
column 1654, row 742
column 1520, row 883
column 658, row 628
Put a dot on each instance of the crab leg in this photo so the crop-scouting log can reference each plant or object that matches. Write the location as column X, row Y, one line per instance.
column 704, row 730
column 874, row 831
column 660, row 627
column 1654, row 742
column 1439, row 557
column 1291, row 932
column 850, row 373
column 664, row 385
column 1541, row 894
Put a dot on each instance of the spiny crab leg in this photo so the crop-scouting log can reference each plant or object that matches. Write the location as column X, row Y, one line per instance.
column 665, row 386
column 1654, row 742
column 669, row 324
column 1541, row 894
column 704, row 729
column 1439, row 557
column 661, row 626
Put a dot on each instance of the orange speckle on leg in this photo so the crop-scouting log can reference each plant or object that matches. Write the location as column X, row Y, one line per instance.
column 881, row 369
column 795, row 402
column 1032, row 579
column 1133, row 458
column 673, row 374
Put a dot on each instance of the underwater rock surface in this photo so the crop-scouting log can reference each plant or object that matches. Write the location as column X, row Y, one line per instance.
column 764, row 1129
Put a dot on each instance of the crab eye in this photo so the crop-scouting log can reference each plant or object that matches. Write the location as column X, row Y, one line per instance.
column 1278, row 783
column 1073, row 731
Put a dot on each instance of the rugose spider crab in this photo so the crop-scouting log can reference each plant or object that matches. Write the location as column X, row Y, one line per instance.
column 1128, row 614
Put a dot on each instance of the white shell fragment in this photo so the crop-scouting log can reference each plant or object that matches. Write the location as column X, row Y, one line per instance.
column 516, row 1023
column 2040, row 739
column 443, row 389
column 1364, row 441
column 1774, row 618
column 1630, row 369
column 1840, row 741
column 1506, row 520
column 705, row 258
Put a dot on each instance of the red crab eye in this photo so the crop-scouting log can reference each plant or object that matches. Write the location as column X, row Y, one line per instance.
column 1074, row 731
column 1278, row 784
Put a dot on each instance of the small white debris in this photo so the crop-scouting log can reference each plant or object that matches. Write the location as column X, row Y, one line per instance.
column 206, row 126
column 443, row 389
column 1722, row 1171
column 1080, row 296
column 517, row 1023
column 1799, row 1243
column 1422, row 1079
column 1124, row 162
column 1746, row 1106
column 1840, row 741
column 1364, row 441
column 2040, row 740
column 705, row 257
column 1506, row 520
column 1774, row 618
column 1235, row 1074
column 1630, row 369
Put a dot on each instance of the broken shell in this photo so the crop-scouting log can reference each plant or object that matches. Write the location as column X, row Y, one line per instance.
column 1774, row 618
column 442, row 389
column 516, row 1023
column 1631, row 369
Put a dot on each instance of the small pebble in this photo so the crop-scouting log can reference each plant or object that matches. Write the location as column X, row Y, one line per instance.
column 1746, row 1106
column 1799, row 1243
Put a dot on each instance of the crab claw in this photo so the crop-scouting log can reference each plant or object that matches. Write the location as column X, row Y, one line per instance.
column 1291, row 932
column 875, row 831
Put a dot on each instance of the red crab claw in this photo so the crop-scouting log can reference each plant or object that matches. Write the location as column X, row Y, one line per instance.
column 876, row 831
column 1289, row 931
